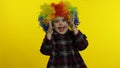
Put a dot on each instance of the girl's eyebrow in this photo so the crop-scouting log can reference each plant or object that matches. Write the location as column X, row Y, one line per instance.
column 56, row 20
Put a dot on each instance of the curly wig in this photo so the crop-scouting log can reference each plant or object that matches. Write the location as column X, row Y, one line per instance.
column 63, row 9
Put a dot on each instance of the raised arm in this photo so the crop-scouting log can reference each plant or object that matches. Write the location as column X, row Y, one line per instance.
column 80, row 41
column 47, row 45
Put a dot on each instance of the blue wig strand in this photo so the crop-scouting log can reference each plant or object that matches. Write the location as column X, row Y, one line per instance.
column 45, row 27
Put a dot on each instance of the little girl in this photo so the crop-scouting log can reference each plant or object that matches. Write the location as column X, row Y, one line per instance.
column 62, row 41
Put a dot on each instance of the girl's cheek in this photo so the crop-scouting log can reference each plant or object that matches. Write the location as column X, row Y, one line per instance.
column 55, row 25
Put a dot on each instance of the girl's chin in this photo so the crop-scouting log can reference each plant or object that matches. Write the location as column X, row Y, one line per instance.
column 61, row 32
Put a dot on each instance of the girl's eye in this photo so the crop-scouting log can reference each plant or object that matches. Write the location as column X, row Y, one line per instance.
column 56, row 21
column 63, row 20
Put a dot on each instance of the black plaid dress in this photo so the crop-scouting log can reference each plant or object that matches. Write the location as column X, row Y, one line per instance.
column 63, row 50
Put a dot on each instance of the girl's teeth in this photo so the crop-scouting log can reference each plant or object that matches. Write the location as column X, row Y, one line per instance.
column 61, row 29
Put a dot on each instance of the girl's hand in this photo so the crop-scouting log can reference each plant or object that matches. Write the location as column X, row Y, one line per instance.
column 72, row 25
column 71, row 20
column 50, row 31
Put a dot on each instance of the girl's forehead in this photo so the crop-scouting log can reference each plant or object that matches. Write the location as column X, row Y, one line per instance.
column 58, row 18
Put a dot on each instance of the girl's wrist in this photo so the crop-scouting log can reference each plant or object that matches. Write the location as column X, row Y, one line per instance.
column 74, row 29
column 49, row 36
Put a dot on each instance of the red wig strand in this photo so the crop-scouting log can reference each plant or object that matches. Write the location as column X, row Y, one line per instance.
column 61, row 10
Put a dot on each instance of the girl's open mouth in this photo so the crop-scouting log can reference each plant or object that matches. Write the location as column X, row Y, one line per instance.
column 62, row 29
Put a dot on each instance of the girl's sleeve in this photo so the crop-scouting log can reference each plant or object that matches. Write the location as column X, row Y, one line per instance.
column 47, row 46
column 80, row 41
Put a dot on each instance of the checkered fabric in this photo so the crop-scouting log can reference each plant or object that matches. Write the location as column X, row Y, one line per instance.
column 64, row 50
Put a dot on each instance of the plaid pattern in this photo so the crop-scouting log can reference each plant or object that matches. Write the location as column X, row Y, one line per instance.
column 63, row 50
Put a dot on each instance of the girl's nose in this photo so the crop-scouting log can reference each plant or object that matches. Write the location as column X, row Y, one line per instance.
column 60, row 23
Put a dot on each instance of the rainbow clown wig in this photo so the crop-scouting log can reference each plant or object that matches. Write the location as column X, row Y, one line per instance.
column 63, row 9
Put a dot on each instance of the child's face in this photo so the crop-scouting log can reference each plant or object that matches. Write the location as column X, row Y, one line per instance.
column 60, row 25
